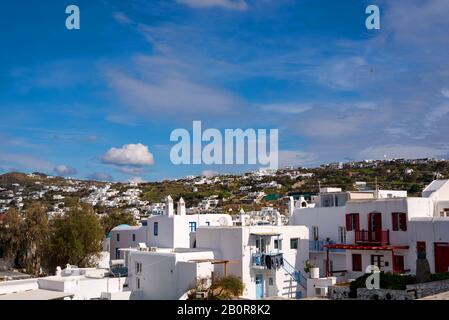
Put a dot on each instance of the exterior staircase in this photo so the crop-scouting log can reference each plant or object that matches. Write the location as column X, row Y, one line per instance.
column 298, row 278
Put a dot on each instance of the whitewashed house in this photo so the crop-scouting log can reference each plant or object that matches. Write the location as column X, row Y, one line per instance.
column 386, row 229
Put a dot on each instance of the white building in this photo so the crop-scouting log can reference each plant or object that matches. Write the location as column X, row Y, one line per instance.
column 69, row 284
column 267, row 259
column 385, row 228
column 169, row 230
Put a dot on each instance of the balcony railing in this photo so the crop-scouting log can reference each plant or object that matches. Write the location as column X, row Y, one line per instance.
column 372, row 237
column 317, row 246
column 259, row 260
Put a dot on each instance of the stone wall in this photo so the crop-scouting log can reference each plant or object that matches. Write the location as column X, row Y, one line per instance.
column 338, row 292
column 428, row 288
column 384, row 294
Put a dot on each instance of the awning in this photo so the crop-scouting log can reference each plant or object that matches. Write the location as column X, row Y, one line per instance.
column 361, row 247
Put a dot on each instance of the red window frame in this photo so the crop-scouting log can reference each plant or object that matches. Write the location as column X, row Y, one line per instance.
column 352, row 221
column 356, row 262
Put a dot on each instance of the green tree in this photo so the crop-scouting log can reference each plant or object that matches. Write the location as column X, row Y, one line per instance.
column 23, row 237
column 75, row 238
column 11, row 234
column 115, row 218
column 34, row 238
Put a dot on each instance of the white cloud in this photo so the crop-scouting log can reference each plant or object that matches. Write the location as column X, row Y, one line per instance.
column 445, row 92
column 136, row 180
column 402, row 151
column 209, row 173
column 296, row 158
column 122, row 18
column 64, row 170
column 286, row 108
column 170, row 95
column 99, row 176
column 239, row 5
column 129, row 154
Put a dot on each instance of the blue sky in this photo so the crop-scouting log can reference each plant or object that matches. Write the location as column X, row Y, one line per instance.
column 136, row 70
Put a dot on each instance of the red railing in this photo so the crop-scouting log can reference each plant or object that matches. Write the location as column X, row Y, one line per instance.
column 372, row 237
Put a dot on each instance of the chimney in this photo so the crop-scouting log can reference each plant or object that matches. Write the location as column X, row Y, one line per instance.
column 181, row 207
column 169, row 206
column 291, row 206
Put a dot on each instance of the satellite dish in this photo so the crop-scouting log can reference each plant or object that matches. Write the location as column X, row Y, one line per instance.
column 223, row 221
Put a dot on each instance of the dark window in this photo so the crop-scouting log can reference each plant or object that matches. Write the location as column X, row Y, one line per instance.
column 134, row 237
column 156, row 228
column 192, row 226
column 118, row 237
column 294, row 243
column 399, row 221
column 352, row 221
column 117, row 253
column 356, row 262
column 277, row 244
column 421, row 249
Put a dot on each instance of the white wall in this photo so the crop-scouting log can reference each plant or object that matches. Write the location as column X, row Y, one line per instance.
column 126, row 239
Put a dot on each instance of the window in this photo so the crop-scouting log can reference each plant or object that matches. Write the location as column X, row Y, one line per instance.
column 260, row 244
column 270, row 281
column 315, row 235
column 117, row 253
column 444, row 213
column 377, row 260
column 352, row 221
column 118, row 237
column 356, row 262
column 278, row 244
column 1, row 253
column 156, row 229
column 192, row 226
column 294, row 243
column 138, row 267
column 421, row 249
column 134, row 237
column 138, row 283
column 399, row 221
column 341, row 235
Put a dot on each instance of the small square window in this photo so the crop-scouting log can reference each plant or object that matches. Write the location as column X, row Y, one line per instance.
column 294, row 243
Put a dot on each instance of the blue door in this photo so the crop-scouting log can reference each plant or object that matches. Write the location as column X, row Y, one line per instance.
column 259, row 286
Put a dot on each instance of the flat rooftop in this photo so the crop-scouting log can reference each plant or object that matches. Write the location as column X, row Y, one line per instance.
column 37, row 294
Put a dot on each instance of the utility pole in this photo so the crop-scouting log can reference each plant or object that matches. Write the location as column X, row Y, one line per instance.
column 377, row 189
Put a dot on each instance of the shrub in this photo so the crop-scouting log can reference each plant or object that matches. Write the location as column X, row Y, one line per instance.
column 388, row 280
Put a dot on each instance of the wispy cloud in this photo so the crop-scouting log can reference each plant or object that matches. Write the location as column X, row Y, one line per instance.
column 239, row 5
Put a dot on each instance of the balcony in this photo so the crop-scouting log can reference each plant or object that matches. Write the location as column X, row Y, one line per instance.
column 259, row 260
column 380, row 237
column 317, row 246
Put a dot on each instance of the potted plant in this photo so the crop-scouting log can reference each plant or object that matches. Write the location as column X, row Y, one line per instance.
column 309, row 267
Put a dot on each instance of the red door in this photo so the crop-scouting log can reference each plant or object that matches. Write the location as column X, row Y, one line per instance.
column 441, row 257
column 375, row 226
column 398, row 264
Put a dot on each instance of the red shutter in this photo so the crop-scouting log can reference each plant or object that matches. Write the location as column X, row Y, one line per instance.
column 357, row 221
column 356, row 262
column 403, row 221
column 348, row 222
column 394, row 220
